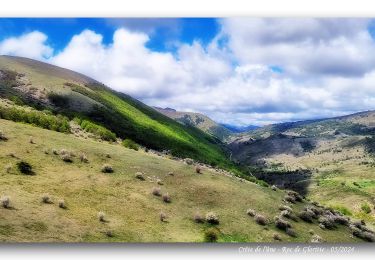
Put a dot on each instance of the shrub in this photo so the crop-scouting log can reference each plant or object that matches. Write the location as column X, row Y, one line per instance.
column 273, row 187
column 212, row 218
column 106, row 168
column 198, row 218
column 139, row 176
column 211, row 235
column 166, row 198
column 282, row 224
column 260, row 219
column 62, row 204
column 291, row 232
column 98, row 130
column 156, row 191
column 128, row 143
column 316, row 239
column 37, row 118
column 159, row 182
column 327, row 221
column 3, row 137
column 25, row 168
column 251, row 212
column 55, row 152
column 163, row 216
column 198, row 169
column 46, row 199
column 101, row 216
column 365, row 207
column 341, row 220
column 31, row 140
column 290, row 199
column 276, row 236
column 306, row 216
column 5, row 202
column 285, row 207
column 66, row 157
column 83, row 158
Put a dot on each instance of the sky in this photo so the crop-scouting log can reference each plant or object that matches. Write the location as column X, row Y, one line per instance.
column 238, row 71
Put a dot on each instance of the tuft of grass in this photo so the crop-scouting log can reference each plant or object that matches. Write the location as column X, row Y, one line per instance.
column 260, row 219
column 276, row 237
column 291, row 232
column 62, row 204
column 106, row 168
column 101, row 216
column 365, row 207
column 156, row 191
column 139, row 176
column 166, row 198
column 46, row 198
column 211, row 235
column 66, row 157
column 163, row 217
column 198, row 218
column 3, row 137
column 83, row 158
column 306, row 216
column 251, row 212
column 5, row 202
column 212, row 218
column 282, row 224
column 198, row 169
column 25, row 168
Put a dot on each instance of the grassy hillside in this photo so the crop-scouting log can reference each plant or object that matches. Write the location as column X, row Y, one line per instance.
column 132, row 212
column 198, row 120
column 338, row 152
column 61, row 91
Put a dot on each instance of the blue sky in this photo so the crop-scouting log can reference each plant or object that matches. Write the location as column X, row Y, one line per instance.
column 163, row 32
column 238, row 71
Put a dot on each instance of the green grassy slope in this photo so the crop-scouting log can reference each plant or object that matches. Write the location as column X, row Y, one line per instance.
column 200, row 121
column 74, row 95
column 132, row 212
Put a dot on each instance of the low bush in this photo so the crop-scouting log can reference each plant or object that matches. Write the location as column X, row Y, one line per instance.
column 282, row 224
column 66, row 157
column 291, row 232
column 166, row 198
column 139, row 176
column 106, row 168
column 37, row 118
column 285, row 207
column 3, row 137
column 46, row 199
column 128, row 143
column 96, row 129
column 156, row 191
column 251, row 212
column 25, row 168
column 276, row 236
column 290, row 199
column 83, row 158
column 198, row 218
column 365, row 207
column 307, row 216
column 316, row 239
column 163, row 216
column 260, row 219
column 62, row 204
column 211, row 235
column 327, row 221
column 101, row 216
column 198, row 169
column 5, row 202
column 212, row 218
